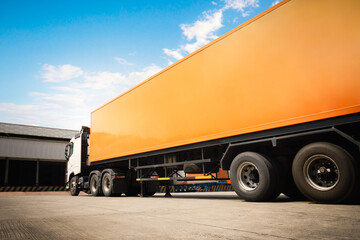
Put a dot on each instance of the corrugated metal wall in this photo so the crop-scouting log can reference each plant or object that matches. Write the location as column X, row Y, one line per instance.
column 32, row 149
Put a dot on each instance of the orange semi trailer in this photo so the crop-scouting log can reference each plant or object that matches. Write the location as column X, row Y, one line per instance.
column 276, row 101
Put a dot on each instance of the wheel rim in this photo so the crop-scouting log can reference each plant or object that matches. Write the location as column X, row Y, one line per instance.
column 248, row 176
column 93, row 184
column 106, row 184
column 321, row 172
column 72, row 185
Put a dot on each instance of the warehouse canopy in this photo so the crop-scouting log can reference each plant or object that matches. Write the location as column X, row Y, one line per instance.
column 31, row 142
column 25, row 130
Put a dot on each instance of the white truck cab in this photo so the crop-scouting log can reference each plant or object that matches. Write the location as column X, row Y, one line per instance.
column 76, row 153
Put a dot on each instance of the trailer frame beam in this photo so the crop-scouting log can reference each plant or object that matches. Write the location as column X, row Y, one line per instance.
column 173, row 164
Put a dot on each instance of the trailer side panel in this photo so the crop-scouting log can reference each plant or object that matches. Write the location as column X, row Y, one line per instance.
column 295, row 63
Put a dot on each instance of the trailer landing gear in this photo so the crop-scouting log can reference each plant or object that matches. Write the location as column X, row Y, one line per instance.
column 167, row 190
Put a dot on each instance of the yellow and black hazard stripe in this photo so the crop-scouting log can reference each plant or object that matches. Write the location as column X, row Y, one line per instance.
column 177, row 179
column 213, row 188
column 163, row 189
column 31, row 188
column 221, row 187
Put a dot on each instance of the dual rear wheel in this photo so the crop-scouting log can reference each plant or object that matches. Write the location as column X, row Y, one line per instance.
column 254, row 177
column 322, row 172
column 95, row 186
column 105, row 187
column 325, row 172
column 109, row 187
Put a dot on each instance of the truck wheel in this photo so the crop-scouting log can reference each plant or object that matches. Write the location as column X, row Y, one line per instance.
column 107, row 185
column 95, row 187
column 324, row 172
column 74, row 190
column 254, row 178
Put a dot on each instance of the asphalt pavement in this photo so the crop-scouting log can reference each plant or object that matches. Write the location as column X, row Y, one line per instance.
column 216, row 215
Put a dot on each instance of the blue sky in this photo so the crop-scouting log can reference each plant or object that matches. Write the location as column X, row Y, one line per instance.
column 60, row 60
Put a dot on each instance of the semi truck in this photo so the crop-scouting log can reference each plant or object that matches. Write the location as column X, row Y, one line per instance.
column 275, row 102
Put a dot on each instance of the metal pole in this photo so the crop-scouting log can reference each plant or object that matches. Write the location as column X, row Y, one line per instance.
column 167, row 189
column 142, row 190
column 137, row 172
column 37, row 173
column 6, row 180
column 66, row 173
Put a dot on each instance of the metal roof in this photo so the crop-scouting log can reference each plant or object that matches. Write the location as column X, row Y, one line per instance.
column 17, row 129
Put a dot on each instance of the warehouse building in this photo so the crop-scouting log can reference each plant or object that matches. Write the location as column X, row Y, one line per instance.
column 32, row 156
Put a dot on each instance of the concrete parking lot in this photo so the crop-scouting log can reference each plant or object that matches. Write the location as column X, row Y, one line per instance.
column 217, row 215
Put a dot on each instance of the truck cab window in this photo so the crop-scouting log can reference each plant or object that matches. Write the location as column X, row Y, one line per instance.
column 69, row 149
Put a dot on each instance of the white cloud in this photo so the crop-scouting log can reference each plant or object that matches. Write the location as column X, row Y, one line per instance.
column 241, row 5
column 137, row 77
column 13, row 108
column 170, row 62
column 60, row 73
column 65, row 89
column 101, row 80
column 42, row 115
column 276, row 2
column 198, row 34
column 122, row 61
column 70, row 105
column 173, row 53
column 204, row 30
column 37, row 94
column 191, row 47
column 107, row 80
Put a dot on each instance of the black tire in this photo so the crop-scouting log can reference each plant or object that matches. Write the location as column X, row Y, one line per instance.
column 95, row 187
column 324, row 172
column 254, row 177
column 74, row 190
column 107, row 185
